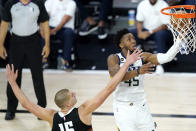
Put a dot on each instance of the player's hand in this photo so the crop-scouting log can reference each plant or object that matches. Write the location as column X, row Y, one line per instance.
column 10, row 74
column 46, row 51
column 147, row 68
column 3, row 52
column 132, row 58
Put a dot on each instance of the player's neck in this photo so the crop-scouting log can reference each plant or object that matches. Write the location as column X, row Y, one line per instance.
column 25, row 2
column 66, row 110
column 125, row 51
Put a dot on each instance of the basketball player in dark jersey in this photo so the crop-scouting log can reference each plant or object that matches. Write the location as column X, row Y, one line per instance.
column 70, row 118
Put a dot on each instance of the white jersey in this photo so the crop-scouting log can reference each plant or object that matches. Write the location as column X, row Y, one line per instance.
column 131, row 90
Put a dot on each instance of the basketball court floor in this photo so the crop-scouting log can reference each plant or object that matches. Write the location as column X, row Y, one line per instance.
column 171, row 98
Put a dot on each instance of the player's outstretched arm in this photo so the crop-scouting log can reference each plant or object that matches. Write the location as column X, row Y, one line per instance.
column 162, row 58
column 40, row 112
column 92, row 104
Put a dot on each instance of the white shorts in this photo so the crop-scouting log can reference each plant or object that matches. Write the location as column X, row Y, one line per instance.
column 133, row 116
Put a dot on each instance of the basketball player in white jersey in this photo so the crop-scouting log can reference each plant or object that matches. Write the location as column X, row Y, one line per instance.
column 130, row 109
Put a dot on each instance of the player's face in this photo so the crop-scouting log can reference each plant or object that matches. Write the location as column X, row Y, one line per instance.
column 72, row 98
column 128, row 42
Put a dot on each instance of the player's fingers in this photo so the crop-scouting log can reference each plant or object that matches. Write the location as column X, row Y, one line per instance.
column 45, row 56
column 43, row 53
column 150, row 65
column 151, row 69
column 16, row 73
column 134, row 52
column 8, row 69
column 128, row 53
column 148, row 72
column 139, row 51
column 12, row 68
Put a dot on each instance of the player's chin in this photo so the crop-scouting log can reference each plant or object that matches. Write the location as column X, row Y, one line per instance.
column 133, row 48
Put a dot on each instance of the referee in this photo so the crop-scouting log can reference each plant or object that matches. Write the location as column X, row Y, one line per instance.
column 25, row 16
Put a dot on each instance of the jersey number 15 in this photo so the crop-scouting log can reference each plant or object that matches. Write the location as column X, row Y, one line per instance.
column 68, row 126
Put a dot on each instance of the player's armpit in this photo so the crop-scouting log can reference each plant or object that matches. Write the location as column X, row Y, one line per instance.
column 42, row 113
column 84, row 117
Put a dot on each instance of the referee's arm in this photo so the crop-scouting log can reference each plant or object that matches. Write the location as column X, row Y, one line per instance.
column 3, row 33
column 46, row 32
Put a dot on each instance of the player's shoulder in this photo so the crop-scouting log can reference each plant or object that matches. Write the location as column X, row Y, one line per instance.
column 113, row 59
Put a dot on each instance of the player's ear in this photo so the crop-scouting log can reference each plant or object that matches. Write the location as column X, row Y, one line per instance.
column 121, row 44
column 67, row 104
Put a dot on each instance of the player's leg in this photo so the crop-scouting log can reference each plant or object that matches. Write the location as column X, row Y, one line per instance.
column 34, row 58
column 124, row 116
column 144, row 119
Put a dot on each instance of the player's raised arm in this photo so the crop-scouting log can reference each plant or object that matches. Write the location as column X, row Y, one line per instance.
column 162, row 58
column 40, row 112
column 92, row 104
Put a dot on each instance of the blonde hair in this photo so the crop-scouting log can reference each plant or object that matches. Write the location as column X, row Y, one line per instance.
column 61, row 97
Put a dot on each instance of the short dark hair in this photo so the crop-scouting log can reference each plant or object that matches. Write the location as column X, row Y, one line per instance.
column 119, row 35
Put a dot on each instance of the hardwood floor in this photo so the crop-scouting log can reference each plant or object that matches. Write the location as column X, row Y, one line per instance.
column 171, row 98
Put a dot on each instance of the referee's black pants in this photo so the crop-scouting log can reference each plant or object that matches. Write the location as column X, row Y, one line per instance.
column 26, row 48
